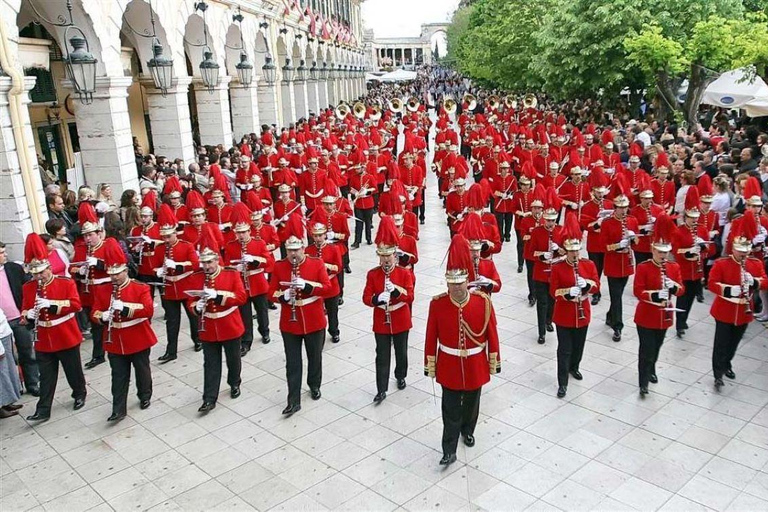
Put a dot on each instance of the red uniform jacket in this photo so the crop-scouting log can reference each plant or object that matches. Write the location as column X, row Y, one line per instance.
column 57, row 326
column 152, row 251
column 521, row 203
column 730, row 307
column 410, row 252
column 618, row 261
column 254, row 271
column 223, row 218
column 503, row 187
column 573, row 195
column 527, row 225
column 221, row 315
column 331, row 256
column 340, row 227
column 400, row 300
column 563, row 278
column 185, row 256
column 413, row 177
column 96, row 276
column 359, row 181
column 663, row 193
column 312, row 188
column 310, row 314
column 192, row 233
column 539, row 242
column 650, row 312
column 691, row 264
column 284, row 210
column 130, row 330
column 462, row 344
column 267, row 233
column 645, row 225
column 588, row 222
column 455, row 205
column 487, row 268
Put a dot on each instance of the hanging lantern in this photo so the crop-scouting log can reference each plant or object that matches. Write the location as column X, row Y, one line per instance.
column 324, row 71
column 313, row 71
column 209, row 70
column 288, row 71
column 302, row 72
column 270, row 71
column 161, row 68
column 244, row 70
column 81, row 67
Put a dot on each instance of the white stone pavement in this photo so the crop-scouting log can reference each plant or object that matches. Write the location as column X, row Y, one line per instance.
column 684, row 447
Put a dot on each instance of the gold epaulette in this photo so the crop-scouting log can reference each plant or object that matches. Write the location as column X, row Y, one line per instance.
column 481, row 293
column 440, row 296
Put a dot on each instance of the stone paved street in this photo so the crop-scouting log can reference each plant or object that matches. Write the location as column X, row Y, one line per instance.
column 684, row 447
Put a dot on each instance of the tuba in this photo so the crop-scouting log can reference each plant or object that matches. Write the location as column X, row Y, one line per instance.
column 342, row 110
column 510, row 101
column 359, row 110
column 396, row 105
column 470, row 100
column 450, row 105
column 413, row 104
column 493, row 102
column 530, row 101
column 376, row 114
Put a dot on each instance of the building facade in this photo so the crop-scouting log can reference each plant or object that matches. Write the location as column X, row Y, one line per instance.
column 318, row 42
column 389, row 53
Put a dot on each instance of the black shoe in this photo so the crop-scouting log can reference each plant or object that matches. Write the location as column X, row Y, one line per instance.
column 643, row 390
column 541, row 340
column 719, row 383
column 167, row 358
column 400, row 383
column 79, row 403
column 700, row 298
column 561, row 390
column 12, row 407
column 315, row 393
column 680, row 333
column 730, row 374
column 266, row 339
column 368, row 242
column 116, row 416
column 234, row 392
column 653, row 379
column 290, row 409
column 469, row 440
column 507, row 238
column 38, row 417
column 335, row 339
column 244, row 349
column 93, row 363
column 421, row 221
column 144, row 404
column 616, row 335
column 272, row 306
column 347, row 270
column 198, row 346
column 595, row 300
column 380, row 397
column 531, row 302
column 207, row 407
column 34, row 391
column 448, row 459
column 519, row 269
column 576, row 374
column 550, row 328
column 355, row 245
column 341, row 301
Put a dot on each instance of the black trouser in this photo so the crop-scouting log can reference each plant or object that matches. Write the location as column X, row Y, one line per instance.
column 384, row 344
column 313, row 343
column 97, row 330
column 727, row 339
column 332, row 312
column 641, row 257
column 366, row 215
column 545, row 305
column 380, row 188
column 48, row 362
column 422, row 208
column 340, row 275
column 261, row 304
column 529, row 276
column 650, row 344
column 283, row 252
column 149, row 279
column 172, row 310
column 460, row 412
column 614, row 317
column 121, row 378
column 598, row 258
column 26, row 350
column 685, row 302
column 504, row 221
column 344, row 191
column 519, row 237
column 212, row 366
column 570, row 348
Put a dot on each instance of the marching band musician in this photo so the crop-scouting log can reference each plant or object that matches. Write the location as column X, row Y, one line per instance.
column 690, row 250
column 252, row 260
column 570, row 283
column 415, row 181
column 217, row 296
column 389, row 291
column 619, row 233
column 483, row 275
column 546, row 249
column 733, row 279
column 219, row 211
column 338, row 231
column 299, row 283
column 593, row 214
column 330, row 255
column 125, row 311
column 521, row 204
column 193, row 231
column 49, row 305
column 284, row 208
column 264, row 231
column 456, row 205
column 461, row 349
column 646, row 213
column 504, row 188
column 173, row 190
column 711, row 222
column 363, row 186
column 527, row 225
column 575, row 192
column 90, row 271
column 657, row 280
column 312, row 184
column 147, row 236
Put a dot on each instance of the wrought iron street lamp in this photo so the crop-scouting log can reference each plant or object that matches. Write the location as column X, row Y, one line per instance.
column 269, row 70
column 209, row 68
column 313, row 71
column 288, row 71
column 302, row 72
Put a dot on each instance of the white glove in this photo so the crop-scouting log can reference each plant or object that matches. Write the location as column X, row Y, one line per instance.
column 288, row 294
column 554, row 247
column 749, row 278
column 652, row 220
column 117, row 305
column 300, row 283
column 695, row 249
column 735, row 290
column 160, row 272
column 32, row 314
column 624, row 243
column 303, row 210
column 664, row 294
column 91, row 261
column 758, row 239
column 698, row 240
column 384, row 296
column 389, row 287
column 575, row 291
column 42, row 303
column 580, row 282
column 106, row 316
column 547, row 255
column 169, row 263
column 667, row 283
column 330, row 235
column 284, row 218
column 249, row 258
column 222, row 227
column 240, row 267
column 200, row 304
column 145, row 238
column 631, row 234
column 209, row 294
column 573, row 205
column 600, row 220
column 83, row 270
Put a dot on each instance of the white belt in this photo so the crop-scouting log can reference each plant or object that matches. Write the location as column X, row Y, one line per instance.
column 462, row 352
column 55, row 321
column 177, row 277
column 101, row 280
column 308, row 300
column 254, row 272
column 128, row 323
column 393, row 307
column 221, row 314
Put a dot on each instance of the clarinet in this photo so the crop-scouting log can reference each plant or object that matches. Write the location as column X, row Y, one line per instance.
column 165, row 270
column 387, row 271
column 580, row 303
column 625, row 237
column 111, row 313
column 243, row 252
column 294, row 277
column 201, row 325
column 699, row 260
column 88, row 254
column 35, row 337
column 745, row 287
column 667, row 313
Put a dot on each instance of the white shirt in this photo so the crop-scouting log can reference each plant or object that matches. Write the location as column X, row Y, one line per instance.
column 5, row 329
column 721, row 202
column 645, row 138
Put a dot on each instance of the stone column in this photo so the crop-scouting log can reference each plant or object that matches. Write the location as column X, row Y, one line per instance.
column 313, row 95
column 288, row 102
column 170, row 121
column 15, row 216
column 331, row 85
column 301, row 95
column 322, row 93
column 268, row 103
column 213, row 112
column 245, row 108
